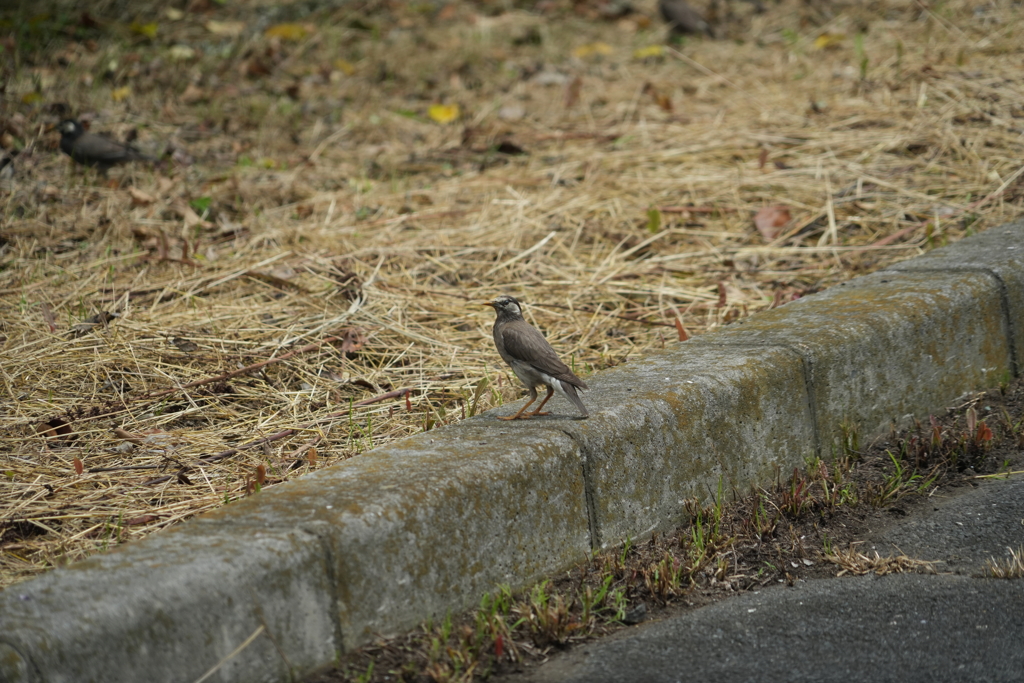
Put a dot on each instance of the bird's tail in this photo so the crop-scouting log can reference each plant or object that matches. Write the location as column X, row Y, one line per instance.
column 572, row 395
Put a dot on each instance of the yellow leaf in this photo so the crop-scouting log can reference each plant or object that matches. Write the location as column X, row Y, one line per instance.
column 591, row 49
column 347, row 68
column 31, row 98
column 649, row 51
column 443, row 113
column 147, row 30
column 121, row 94
column 228, row 29
column 829, row 40
column 292, row 32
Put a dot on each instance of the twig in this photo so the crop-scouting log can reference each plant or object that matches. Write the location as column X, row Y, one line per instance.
column 259, row 613
column 234, row 653
column 297, row 453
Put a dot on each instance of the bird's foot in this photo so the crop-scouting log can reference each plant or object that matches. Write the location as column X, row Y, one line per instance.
column 525, row 416
column 537, row 412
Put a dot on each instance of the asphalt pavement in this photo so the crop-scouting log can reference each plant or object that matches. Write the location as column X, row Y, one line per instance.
column 953, row 625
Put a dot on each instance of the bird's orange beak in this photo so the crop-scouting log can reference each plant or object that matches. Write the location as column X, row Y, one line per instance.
column 487, row 303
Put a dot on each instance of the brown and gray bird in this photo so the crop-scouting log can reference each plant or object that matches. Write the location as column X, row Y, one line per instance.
column 532, row 358
column 90, row 149
column 682, row 18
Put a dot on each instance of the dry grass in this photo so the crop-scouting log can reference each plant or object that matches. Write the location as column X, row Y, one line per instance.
column 858, row 564
column 334, row 206
column 1007, row 568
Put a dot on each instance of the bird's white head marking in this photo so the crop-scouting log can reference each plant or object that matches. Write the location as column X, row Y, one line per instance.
column 507, row 304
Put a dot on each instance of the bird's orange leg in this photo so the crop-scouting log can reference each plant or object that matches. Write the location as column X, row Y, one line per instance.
column 519, row 415
column 551, row 392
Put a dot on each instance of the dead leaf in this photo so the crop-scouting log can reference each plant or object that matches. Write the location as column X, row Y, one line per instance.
column 352, row 339
column 47, row 312
column 261, row 475
column 185, row 345
column 147, row 30
column 345, row 67
column 592, row 50
column 770, row 220
column 660, row 98
column 443, row 113
column 56, row 429
column 572, row 92
column 92, row 323
column 829, row 41
column 254, row 68
column 649, row 52
column 193, row 94
column 348, row 283
column 228, row 29
column 79, row 468
column 292, row 32
column 190, row 217
column 128, row 436
column 140, row 198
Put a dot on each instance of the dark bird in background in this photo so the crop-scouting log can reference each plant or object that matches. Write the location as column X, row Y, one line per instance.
column 90, row 149
column 532, row 358
column 683, row 19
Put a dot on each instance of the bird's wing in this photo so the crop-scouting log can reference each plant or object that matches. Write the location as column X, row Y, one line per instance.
column 102, row 150
column 682, row 17
column 525, row 343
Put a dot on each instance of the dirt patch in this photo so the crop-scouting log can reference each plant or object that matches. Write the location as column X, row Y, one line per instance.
column 338, row 185
column 810, row 524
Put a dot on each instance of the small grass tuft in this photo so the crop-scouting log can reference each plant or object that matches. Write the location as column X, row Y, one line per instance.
column 1012, row 568
column 857, row 564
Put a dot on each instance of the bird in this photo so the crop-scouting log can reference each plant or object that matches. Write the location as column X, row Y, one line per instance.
column 531, row 358
column 682, row 18
column 90, row 149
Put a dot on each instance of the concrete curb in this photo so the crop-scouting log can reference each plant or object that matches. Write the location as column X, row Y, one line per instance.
column 310, row 569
